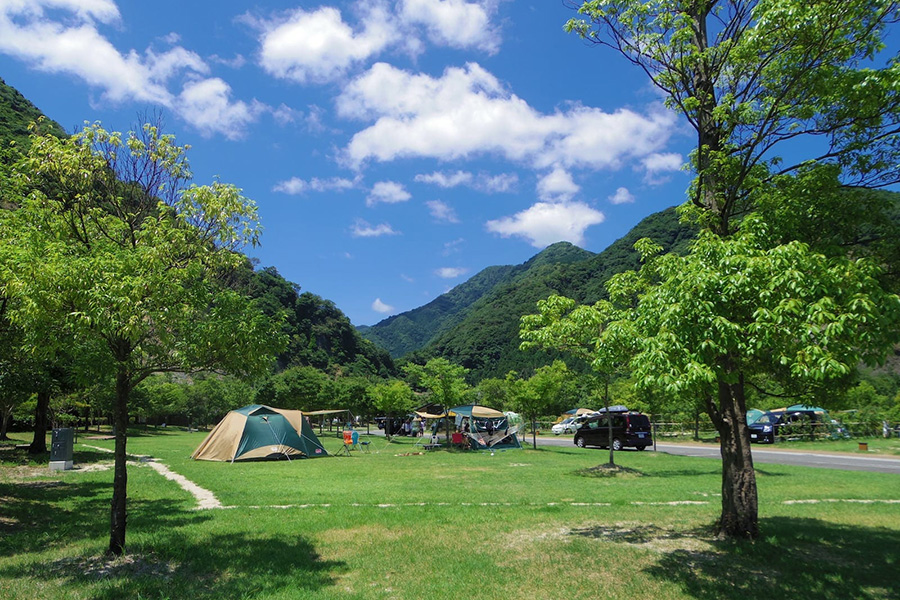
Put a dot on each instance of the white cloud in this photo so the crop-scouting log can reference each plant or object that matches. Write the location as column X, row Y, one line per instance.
column 557, row 186
column 453, row 246
column 381, row 307
column 446, row 180
column 363, row 229
column 622, row 196
column 440, row 211
column 482, row 182
column 73, row 44
column 207, row 105
column 504, row 182
column 658, row 162
column 295, row 185
column 318, row 46
column 388, row 192
column 236, row 62
column 546, row 223
column 451, row 272
column 452, row 22
column 468, row 112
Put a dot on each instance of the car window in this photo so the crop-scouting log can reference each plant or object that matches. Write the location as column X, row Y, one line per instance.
column 640, row 421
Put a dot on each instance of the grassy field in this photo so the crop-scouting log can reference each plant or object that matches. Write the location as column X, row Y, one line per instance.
column 397, row 523
column 875, row 445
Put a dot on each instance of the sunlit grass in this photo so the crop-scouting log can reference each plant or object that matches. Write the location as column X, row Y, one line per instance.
column 403, row 523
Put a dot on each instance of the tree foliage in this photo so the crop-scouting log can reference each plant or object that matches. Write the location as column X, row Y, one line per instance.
column 111, row 243
column 754, row 78
column 485, row 340
column 319, row 335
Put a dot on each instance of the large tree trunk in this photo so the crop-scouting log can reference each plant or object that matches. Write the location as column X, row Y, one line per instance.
column 41, row 411
column 4, row 424
column 120, row 478
column 740, row 511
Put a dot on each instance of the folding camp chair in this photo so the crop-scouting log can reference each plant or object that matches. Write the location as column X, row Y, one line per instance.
column 348, row 443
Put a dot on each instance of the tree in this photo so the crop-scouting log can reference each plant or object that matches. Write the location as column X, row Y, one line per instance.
column 445, row 380
column 112, row 244
column 392, row 398
column 754, row 79
column 587, row 332
column 296, row 388
column 492, row 391
column 543, row 390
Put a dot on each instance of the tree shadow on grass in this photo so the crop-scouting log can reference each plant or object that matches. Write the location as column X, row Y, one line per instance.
column 238, row 565
column 39, row 514
column 795, row 558
column 176, row 560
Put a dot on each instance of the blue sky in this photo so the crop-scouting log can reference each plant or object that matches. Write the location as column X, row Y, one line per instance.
column 394, row 148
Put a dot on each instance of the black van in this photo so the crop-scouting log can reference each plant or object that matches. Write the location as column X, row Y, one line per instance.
column 628, row 429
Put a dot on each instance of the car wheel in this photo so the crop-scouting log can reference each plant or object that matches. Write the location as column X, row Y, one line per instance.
column 642, row 447
column 579, row 441
column 617, row 444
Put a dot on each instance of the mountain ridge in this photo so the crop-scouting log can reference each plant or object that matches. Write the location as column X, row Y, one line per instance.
column 481, row 334
column 413, row 329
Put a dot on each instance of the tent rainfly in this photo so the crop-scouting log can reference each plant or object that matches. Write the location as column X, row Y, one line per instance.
column 260, row 432
column 486, row 428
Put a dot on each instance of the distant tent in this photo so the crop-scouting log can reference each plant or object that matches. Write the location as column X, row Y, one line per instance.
column 260, row 432
column 577, row 412
column 804, row 407
column 488, row 429
column 753, row 415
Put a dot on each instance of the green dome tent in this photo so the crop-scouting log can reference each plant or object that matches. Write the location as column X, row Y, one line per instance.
column 260, row 432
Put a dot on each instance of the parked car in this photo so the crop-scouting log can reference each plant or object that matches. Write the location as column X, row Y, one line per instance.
column 797, row 423
column 569, row 425
column 629, row 429
column 765, row 428
column 396, row 424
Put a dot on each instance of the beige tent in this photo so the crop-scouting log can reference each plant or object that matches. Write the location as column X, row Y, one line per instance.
column 260, row 432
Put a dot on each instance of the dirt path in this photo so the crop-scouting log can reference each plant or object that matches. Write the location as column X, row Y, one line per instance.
column 205, row 498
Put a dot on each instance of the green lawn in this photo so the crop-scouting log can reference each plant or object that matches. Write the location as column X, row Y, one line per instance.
column 399, row 524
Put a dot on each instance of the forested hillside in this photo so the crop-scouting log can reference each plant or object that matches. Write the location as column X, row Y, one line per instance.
column 319, row 334
column 16, row 112
column 414, row 329
column 485, row 338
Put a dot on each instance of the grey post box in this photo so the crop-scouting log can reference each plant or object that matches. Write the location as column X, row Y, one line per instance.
column 61, row 448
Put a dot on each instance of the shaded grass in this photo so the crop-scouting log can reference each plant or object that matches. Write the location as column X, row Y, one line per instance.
column 392, row 524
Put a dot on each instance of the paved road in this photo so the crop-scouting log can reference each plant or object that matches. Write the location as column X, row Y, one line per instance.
column 846, row 462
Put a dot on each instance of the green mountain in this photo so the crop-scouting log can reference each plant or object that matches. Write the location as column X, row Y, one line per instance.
column 476, row 324
column 414, row 329
column 16, row 112
column 486, row 340
column 319, row 334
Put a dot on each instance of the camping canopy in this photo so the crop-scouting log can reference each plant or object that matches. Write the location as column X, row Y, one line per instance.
column 797, row 407
column 577, row 412
column 753, row 415
column 488, row 428
column 260, row 432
